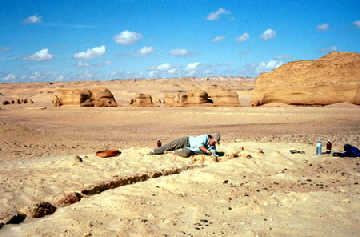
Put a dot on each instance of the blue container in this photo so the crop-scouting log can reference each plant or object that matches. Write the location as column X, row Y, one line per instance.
column 318, row 148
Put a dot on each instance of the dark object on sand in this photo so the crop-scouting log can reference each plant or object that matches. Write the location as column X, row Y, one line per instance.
column 43, row 209
column 349, row 151
column 328, row 147
column 108, row 153
column 158, row 143
column 296, row 152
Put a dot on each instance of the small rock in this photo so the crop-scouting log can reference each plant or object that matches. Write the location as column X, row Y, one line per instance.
column 17, row 219
column 69, row 199
column 42, row 209
column 78, row 158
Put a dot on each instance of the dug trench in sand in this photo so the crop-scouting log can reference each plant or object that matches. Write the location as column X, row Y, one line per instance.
column 263, row 190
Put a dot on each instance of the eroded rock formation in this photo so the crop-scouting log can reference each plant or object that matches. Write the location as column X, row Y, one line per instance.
column 141, row 100
column 334, row 78
column 224, row 98
column 98, row 97
column 215, row 97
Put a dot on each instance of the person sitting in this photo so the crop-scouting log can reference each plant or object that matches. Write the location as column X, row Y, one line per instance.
column 191, row 145
column 349, row 151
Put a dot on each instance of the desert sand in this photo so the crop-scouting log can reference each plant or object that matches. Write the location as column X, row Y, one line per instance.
column 47, row 154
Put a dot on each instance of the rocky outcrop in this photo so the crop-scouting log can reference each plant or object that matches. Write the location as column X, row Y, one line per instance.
column 173, row 99
column 102, row 97
column 98, row 97
column 191, row 98
column 215, row 97
column 334, row 78
column 224, row 97
column 197, row 97
column 141, row 100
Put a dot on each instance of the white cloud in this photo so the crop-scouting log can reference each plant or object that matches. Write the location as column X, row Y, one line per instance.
column 328, row 50
column 91, row 53
column 213, row 16
column 82, row 64
column 218, row 38
column 152, row 73
column 33, row 19
column 42, row 55
column 357, row 23
column 254, row 70
column 268, row 34
column 164, row 67
column 9, row 77
column 34, row 76
column 269, row 66
column 192, row 66
column 127, row 37
column 243, row 37
column 180, row 52
column 323, row 27
column 172, row 70
column 145, row 51
column 60, row 78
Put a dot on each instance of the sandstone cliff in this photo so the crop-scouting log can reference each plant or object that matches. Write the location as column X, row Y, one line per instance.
column 334, row 78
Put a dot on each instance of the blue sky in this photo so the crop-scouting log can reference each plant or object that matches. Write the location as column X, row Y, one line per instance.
column 104, row 40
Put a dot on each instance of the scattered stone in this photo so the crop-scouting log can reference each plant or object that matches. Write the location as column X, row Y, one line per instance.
column 68, row 199
column 42, row 209
column 17, row 219
column 77, row 158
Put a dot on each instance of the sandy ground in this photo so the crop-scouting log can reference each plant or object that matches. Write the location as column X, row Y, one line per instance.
column 269, row 193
